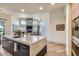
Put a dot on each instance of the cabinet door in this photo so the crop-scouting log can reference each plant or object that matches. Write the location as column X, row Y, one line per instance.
column 8, row 45
column 23, row 50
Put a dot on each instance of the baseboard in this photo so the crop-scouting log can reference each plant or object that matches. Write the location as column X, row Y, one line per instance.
column 58, row 43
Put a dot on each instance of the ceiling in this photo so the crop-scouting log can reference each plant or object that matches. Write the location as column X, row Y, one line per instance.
column 29, row 7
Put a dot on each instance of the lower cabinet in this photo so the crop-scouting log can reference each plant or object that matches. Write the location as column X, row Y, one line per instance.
column 8, row 45
column 23, row 50
column 43, row 51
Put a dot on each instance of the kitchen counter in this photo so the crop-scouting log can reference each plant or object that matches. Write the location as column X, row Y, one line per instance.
column 27, row 39
column 35, row 45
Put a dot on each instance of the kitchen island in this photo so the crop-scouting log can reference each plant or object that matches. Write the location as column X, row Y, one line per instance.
column 27, row 45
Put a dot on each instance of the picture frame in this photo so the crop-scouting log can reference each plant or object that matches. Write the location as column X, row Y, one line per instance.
column 60, row 27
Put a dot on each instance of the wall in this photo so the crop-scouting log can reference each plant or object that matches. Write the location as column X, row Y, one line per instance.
column 57, row 16
column 75, row 10
column 7, row 23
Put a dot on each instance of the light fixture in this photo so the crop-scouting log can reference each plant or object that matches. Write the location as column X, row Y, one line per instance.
column 22, row 10
column 41, row 8
column 52, row 3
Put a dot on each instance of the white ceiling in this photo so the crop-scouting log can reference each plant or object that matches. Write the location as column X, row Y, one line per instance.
column 29, row 7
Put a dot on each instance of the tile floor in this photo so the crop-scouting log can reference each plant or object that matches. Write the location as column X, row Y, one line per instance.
column 53, row 49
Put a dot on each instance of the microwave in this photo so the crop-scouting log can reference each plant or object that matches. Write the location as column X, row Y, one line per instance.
column 75, row 27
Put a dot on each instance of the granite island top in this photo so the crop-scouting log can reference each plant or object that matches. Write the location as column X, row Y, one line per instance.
column 26, row 39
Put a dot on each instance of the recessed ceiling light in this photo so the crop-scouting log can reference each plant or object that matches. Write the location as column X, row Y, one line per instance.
column 41, row 8
column 22, row 10
column 52, row 3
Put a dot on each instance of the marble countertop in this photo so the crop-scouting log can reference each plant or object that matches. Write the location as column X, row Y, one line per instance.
column 26, row 39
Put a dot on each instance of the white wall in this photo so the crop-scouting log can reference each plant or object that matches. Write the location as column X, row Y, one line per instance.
column 57, row 16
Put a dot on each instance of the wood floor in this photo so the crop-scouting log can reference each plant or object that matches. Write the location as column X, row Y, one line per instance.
column 53, row 49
